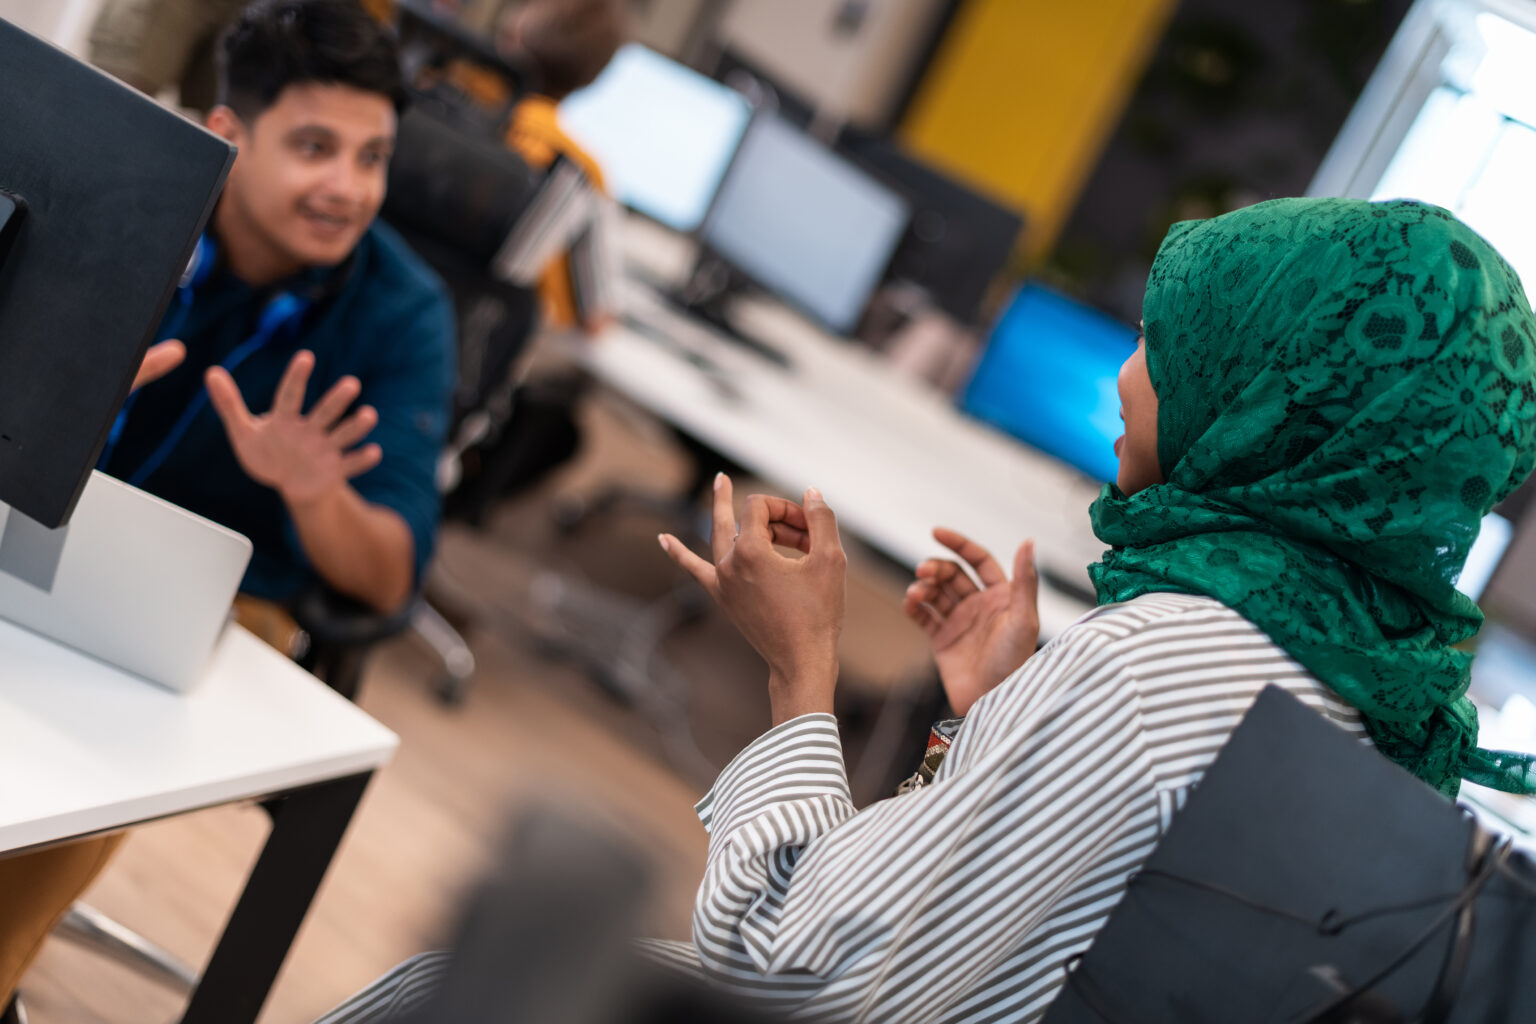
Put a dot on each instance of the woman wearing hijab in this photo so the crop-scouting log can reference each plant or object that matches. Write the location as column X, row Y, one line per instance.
column 1329, row 396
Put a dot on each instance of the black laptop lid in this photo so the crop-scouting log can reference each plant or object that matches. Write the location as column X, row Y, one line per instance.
column 113, row 191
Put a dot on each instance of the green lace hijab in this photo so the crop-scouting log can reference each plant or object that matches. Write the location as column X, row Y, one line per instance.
column 1345, row 389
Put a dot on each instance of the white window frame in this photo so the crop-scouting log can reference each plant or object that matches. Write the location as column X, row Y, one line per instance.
column 1412, row 67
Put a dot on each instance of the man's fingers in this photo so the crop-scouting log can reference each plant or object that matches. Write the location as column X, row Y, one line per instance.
column 978, row 557
column 289, row 399
column 821, row 524
column 360, row 461
column 689, row 562
column 225, row 396
column 160, row 360
column 333, row 405
column 722, row 532
column 355, row 427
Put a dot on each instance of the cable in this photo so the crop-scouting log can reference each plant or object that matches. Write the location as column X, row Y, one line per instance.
column 1494, row 862
column 1329, row 924
column 1468, row 893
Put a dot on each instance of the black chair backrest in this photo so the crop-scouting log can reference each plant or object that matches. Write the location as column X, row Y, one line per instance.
column 455, row 195
column 456, row 186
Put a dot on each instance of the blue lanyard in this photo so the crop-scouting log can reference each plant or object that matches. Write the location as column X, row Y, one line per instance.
column 283, row 310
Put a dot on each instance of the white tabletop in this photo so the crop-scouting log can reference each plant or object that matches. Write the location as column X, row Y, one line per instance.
column 86, row 747
column 892, row 456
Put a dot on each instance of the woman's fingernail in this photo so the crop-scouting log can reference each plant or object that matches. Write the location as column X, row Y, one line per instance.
column 813, row 494
column 719, row 480
column 661, row 539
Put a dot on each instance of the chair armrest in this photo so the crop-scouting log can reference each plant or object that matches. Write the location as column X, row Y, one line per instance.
column 333, row 620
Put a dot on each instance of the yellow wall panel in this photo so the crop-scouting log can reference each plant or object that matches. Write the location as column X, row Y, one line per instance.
column 1023, row 94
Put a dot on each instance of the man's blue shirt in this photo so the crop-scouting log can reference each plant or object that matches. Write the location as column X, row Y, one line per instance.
column 382, row 317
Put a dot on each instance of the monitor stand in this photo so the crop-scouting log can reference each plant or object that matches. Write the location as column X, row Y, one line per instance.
column 707, row 295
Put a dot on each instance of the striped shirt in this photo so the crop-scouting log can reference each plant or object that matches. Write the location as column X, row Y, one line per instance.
column 966, row 899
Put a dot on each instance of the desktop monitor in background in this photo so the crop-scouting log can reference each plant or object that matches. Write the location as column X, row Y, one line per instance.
column 805, row 223
column 959, row 240
column 662, row 133
column 111, row 192
column 1048, row 376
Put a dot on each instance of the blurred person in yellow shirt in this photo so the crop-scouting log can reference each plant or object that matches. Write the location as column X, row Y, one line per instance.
column 566, row 44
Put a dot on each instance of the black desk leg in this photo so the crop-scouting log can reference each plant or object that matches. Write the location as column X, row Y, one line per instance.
column 307, row 826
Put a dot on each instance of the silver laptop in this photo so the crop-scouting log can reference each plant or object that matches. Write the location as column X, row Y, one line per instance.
column 133, row 580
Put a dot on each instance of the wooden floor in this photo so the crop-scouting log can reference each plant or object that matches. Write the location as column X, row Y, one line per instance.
column 533, row 729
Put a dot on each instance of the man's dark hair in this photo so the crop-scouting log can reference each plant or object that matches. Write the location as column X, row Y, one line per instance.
column 277, row 43
column 569, row 41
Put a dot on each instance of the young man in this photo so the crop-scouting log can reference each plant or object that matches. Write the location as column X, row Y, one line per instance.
column 297, row 307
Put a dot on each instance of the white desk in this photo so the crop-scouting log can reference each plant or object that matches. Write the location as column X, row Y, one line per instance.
column 891, row 455
column 86, row 748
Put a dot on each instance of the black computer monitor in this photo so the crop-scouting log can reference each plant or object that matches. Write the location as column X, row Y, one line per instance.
column 1048, row 376
column 959, row 239
column 805, row 223
column 112, row 192
column 662, row 133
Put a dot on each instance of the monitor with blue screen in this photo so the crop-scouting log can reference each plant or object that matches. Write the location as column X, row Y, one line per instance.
column 662, row 133
column 1048, row 377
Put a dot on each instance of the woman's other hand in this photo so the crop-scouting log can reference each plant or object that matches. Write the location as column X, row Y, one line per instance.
column 980, row 636
column 790, row 609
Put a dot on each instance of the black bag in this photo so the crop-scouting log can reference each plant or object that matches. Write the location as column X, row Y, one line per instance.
column 1311, row 879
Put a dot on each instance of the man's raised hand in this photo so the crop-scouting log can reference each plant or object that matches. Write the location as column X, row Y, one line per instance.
column 303, row 456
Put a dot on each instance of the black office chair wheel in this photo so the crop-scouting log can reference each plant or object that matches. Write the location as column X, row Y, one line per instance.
column 571, row 514
column 451, row 690
column 610, row 683
column 548, row 648
column 693, row 603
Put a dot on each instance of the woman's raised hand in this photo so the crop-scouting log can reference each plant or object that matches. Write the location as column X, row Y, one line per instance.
column 790, row 609
column 980, row 635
